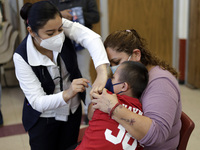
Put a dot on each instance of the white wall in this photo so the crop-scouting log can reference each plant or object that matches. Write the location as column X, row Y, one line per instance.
column 22, row 25
column 183, row 18
column 104, row 18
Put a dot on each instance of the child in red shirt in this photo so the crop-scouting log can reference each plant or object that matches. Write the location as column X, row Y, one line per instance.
column 103, row 133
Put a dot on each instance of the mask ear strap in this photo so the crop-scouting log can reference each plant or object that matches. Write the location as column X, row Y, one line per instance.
column 120, row 92
column 129, row 57
column 38, row 35
column 118, row 83
column 36, row 40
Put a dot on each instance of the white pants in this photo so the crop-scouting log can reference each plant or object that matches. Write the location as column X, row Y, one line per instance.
column 83, row 58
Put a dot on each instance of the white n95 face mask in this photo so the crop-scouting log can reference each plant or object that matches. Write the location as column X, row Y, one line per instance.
column 54, row 43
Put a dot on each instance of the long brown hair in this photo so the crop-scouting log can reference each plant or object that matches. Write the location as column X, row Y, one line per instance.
column 128, row 40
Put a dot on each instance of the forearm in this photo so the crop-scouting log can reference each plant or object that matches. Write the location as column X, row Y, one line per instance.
column 100, row 80
column 137, row 125
column 102, row 72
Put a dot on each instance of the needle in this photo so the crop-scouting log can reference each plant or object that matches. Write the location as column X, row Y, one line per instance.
column 89, row 85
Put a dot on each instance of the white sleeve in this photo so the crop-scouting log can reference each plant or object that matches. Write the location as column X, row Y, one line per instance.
column 32, row 89
column 88, row 39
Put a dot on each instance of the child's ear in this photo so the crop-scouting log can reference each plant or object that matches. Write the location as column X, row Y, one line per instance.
column 125, row 87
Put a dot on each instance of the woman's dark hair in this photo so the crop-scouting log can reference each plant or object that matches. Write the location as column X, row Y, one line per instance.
column 36, row 15
column 128, row 40
column 136, row 75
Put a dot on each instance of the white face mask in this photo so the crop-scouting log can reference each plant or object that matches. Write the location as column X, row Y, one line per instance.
column 54, row 43
column 114, row 68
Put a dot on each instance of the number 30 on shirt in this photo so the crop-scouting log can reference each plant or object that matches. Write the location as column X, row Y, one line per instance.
column 122, row 137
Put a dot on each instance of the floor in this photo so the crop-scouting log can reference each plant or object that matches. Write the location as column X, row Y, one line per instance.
column 13, row 136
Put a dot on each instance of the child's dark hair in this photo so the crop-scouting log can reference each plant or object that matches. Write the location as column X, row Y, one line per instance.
column 36, row 15
column 136, row 75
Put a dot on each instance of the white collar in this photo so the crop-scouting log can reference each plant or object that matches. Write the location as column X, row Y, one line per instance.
column 35, row 58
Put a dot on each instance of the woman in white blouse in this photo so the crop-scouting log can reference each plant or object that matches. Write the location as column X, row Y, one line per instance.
column 48, row 74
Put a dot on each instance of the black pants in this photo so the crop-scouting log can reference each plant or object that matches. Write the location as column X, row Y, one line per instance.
column 50, row 134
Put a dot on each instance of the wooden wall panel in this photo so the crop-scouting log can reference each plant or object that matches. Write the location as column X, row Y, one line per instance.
column 151, row 18
column 194, row 44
